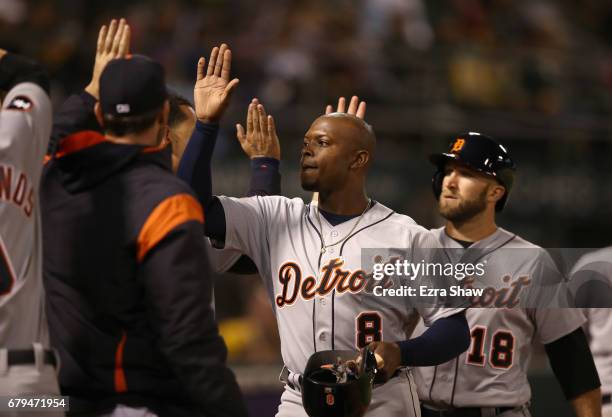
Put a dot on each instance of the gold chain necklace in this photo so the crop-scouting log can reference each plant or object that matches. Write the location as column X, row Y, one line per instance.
column 323, row 245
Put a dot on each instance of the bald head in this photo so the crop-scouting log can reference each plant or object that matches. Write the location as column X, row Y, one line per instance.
column 338, row 149
column 359, row 133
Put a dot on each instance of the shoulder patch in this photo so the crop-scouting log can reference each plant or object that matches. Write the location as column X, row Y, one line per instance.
column 21, row 103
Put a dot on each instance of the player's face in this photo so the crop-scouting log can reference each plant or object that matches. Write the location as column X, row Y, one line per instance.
column 180, row 134
column 464, row 192
column 326, row 156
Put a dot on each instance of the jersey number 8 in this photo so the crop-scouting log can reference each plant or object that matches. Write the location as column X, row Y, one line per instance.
column 368, row 328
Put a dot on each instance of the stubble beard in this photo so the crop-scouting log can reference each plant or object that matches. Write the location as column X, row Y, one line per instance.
column 465, row 210
column 310, row 186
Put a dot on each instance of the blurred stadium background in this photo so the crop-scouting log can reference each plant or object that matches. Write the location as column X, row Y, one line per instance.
column 535, row 74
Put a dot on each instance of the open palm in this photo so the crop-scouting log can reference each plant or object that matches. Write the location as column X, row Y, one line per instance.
column 356, row 108
column 260, row 138
column 113, row 43
column 212, row 91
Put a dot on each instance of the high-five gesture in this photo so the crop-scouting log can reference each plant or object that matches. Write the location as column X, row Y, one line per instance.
column 213, row 88
column 113, row 43
column 260, row 139
column 356, row 108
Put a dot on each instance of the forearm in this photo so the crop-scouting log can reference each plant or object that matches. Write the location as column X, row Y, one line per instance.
column 15, row 69
column 445, row 339
column 588, row 404
column 195, row 169
column 195, row 165
column 265, row 177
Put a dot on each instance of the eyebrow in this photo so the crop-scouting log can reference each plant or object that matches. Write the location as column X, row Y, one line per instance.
column 317, row 133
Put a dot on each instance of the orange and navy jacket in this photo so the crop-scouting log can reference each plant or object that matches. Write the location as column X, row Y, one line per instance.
column 126, row 274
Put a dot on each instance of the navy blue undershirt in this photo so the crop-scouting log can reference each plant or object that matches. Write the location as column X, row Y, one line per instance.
column 444, row 340
column 336, row 219
column 463, row 243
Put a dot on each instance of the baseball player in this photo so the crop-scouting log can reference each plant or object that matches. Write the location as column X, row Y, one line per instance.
column 133, row 341
column 472, row 182
column 591, row 283
column 26, row 363
column 263, row 181
column 310, row 258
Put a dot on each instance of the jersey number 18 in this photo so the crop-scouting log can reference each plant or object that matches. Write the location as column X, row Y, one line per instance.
column 501, row 350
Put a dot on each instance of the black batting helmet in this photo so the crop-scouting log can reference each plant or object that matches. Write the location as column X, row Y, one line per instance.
column 481, row 153
column 324, row 396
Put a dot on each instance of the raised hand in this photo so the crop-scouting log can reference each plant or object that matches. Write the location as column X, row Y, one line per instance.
column 260, row 139
column 356, row 108
column 113, row 43
column 213, row 89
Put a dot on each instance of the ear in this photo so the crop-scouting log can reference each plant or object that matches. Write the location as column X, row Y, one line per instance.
column 188, row 112
column 98, row 113
column 165, row 113
column 361, row 159
column 496, row 192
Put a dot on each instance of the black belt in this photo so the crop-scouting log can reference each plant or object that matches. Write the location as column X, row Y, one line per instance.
column 26, row 357
column 461, row 412
column 606, row 399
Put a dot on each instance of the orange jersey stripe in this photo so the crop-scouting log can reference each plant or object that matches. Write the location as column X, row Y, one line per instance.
column 168, row 214
column 120, row 382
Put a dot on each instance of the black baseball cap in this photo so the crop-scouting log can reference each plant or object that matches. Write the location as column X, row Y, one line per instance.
column 132, row 86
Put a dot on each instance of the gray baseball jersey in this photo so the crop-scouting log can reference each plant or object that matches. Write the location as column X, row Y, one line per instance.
column 599, row 324
column 221, row 260
column 321, row 299
column 25, row 126
column 493, row 371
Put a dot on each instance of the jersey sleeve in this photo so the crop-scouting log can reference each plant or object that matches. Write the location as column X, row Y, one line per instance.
column 248, row 221
column 427, row 248
column 554, row 323
column 25, row 126
column 551, row 289
column 221, row 260
column 590, row 281
column 431, row 314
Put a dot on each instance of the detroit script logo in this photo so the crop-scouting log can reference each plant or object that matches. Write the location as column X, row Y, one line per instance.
column 334, row 278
